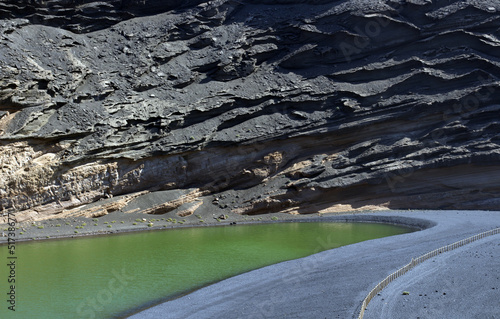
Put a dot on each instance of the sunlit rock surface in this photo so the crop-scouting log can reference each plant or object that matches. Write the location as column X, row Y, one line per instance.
column 248, row 106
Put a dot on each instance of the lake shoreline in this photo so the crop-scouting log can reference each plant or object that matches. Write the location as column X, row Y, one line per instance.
column 333, row 283
column 350, row 262
column 123, row 223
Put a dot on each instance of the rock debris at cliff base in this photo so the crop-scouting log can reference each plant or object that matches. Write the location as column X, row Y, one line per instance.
column 266, row 106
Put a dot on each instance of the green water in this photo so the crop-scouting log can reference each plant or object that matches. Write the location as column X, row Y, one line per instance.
column 105, row 277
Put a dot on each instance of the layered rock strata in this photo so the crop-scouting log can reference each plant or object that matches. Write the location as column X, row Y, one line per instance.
column 249, row 106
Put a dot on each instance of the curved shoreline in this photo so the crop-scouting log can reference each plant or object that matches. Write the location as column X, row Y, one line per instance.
column 332, row 283
column 122, row 223
column 294, row 284
column 66, row 232
column 413, row 223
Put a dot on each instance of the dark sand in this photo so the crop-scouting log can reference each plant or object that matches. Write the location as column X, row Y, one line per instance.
column 463, row 283
column 333, row 283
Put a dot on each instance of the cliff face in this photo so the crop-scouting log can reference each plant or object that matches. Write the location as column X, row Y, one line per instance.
column 249, row 106
column 81, row 16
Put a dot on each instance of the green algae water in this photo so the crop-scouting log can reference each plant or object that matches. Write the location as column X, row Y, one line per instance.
column 111, row 276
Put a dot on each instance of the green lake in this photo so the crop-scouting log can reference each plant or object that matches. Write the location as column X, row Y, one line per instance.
column 111, row 276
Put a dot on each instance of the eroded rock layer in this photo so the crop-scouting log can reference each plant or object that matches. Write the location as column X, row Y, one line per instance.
column 249, row 106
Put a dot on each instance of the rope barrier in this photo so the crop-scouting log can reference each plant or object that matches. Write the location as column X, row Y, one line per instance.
column 415, row 261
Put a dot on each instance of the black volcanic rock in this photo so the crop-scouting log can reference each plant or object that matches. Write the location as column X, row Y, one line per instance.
column 299, row 106
column 82, row 16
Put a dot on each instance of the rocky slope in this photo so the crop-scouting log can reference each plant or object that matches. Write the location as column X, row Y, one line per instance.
column 248, row 106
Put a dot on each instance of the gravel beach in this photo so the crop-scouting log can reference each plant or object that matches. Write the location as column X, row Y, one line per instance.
column 463, row 283
column 333, row 283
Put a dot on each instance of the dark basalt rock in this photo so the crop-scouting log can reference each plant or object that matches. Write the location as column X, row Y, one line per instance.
column 82, row 16
column 298, row 106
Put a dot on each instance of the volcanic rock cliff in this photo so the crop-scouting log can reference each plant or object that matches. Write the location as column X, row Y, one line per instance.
column 248, row 106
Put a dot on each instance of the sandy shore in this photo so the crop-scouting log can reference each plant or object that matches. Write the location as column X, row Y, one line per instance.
column 333, row 283
column 463, row 283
